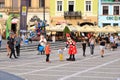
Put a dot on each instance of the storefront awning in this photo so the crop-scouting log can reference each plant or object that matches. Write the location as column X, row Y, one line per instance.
column 86, row 23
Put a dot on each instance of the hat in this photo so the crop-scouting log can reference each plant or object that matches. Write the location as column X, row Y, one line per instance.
column 67, row 35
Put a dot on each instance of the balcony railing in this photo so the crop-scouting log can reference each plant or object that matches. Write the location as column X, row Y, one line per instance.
column 76, row 14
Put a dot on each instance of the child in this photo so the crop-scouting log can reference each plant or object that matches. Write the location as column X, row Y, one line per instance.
column 60, row 52
column 8, row 49
column 47, row 51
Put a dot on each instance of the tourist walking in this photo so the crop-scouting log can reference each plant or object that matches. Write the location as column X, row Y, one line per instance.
column 102, row 46
column 92, row 44
column 84, row 42
column 18, row 40
column 8, row 48
column 11, row 45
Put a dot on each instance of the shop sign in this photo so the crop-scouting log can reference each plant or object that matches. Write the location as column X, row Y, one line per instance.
column 116, row 18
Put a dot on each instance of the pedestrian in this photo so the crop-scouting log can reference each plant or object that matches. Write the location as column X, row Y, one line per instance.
column 102, row 46
column 0, row 39
column 8, row 48
column 84, row 42
column 47, row 52
column 107, row 45
column 116, row 41
column 72, row 48
column 18, row 40
column 42, row 42
column 92, row 44
column 60, row 52
column 111, row 38
column 11, row 45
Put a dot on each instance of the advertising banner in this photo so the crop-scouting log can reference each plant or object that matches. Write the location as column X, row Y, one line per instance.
column 23, row 15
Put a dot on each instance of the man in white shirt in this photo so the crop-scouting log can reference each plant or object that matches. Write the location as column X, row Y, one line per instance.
column 111, row 39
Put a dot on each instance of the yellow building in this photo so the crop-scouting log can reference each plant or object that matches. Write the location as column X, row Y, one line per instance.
column 73, row 11
column 36, row 7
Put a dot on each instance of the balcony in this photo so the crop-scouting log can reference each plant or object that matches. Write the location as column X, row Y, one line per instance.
column 111, row 1
column 70, row 15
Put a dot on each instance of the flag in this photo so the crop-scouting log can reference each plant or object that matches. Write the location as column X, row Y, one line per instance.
column 8, row 25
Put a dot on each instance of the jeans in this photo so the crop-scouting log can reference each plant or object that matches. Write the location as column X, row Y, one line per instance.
column 92, row 49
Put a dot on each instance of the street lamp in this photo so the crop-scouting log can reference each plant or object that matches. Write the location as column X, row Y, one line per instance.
column 44, row 22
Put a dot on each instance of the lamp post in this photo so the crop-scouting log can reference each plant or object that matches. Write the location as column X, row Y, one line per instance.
column 44, row 18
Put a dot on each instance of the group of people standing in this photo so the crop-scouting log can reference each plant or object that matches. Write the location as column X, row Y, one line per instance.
column 105, row 42
column 14, row 42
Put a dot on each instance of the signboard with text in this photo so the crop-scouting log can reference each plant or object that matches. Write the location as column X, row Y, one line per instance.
column 23, row 15
column 116, row 18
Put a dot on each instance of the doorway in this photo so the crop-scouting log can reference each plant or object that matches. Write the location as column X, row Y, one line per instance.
column 71, row 6
column 14, row 27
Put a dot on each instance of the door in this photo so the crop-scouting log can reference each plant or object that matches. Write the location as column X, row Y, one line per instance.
column 14, row 27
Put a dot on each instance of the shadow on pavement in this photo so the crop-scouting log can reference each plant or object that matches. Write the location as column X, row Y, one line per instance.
column 8, row 76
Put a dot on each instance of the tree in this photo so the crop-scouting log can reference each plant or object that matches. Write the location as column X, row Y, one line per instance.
column 66, row 30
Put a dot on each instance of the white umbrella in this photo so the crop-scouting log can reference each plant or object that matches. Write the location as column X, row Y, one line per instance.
column 117, row 28
column 85, row 28
column 108, row 29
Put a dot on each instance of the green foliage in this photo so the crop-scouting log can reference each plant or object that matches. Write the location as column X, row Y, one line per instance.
column 66, row 30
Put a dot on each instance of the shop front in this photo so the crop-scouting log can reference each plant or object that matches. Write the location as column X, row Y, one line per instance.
column 109, row 20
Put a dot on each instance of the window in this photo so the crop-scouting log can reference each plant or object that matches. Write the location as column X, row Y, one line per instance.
column 116, row 10
column 71, row 6
column 106, row 24
column 41, row 3
column 59, row 5
column 105, row 10
column 115, row 24
column 88, row 5
column 14, row 4
column 2, row 3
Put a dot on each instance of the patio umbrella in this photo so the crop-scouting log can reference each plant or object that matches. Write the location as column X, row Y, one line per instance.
column 108, row 29
column 85, row 28
column 117, row 28
column 56, row 28
column 96, row 28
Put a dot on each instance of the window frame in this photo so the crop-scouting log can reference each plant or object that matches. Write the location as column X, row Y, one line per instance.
column 59, row 7
column 114, row 10
column 88, row 7
column 103, row 10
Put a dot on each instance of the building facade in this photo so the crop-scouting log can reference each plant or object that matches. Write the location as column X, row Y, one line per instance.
column 36, row 9
column 109, row 13
column 73, row 11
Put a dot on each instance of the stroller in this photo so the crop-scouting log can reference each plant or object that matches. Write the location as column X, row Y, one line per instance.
column 40, row 49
